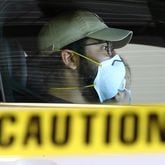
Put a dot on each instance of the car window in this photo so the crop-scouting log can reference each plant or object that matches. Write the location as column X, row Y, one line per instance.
column 28, row 76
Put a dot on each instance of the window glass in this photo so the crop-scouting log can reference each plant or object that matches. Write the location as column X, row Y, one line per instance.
column 57, row 52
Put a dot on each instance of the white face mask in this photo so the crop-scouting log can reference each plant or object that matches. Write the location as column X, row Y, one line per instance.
column 110, row 78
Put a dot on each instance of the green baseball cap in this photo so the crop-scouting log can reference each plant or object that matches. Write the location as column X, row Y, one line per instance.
column 66, row 29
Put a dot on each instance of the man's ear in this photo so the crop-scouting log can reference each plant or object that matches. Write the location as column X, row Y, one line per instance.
column 69, row 59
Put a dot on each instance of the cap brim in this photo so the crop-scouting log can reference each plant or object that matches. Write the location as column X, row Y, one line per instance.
column 118, row 37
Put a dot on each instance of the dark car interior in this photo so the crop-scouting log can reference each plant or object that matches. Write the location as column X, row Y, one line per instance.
column 21, row 21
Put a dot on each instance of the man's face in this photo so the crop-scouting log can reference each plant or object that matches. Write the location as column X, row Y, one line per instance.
column 98, row 51
column 95, row 50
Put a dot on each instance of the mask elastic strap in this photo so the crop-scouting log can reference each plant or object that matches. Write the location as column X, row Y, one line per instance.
column 73, row 88
column 85, row 57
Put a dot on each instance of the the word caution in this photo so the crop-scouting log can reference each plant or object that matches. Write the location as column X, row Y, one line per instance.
column 69, row 130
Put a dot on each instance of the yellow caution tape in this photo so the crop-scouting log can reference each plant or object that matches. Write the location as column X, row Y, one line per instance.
column 33, row 130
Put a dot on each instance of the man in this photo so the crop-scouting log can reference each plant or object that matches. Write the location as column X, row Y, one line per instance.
column 79, row 62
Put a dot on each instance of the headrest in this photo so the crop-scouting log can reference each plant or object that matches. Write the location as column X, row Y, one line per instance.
column 12, row 58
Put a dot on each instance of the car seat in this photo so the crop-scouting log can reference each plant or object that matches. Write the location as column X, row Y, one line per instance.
column 13, row 73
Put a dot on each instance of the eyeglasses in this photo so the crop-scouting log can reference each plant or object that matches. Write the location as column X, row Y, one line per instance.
column 108, row 47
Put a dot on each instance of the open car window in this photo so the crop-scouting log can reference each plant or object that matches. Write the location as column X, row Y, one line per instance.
column 27, row 76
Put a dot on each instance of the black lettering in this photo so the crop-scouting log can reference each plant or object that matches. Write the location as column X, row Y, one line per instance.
column 6, row 141
column 108, row 128
column 154, row 122
column 56, row 127
column 88, row 124
column 33, row 130
column 123, row 132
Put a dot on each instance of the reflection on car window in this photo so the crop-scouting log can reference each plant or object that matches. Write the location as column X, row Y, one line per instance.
column 79, row 55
